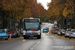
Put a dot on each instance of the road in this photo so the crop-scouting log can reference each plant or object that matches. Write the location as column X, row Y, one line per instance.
column 47, row 42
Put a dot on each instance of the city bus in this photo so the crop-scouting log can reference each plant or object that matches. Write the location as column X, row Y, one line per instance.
column 31, row 28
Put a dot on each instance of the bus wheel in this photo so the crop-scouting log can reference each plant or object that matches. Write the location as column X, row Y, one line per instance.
column 24, row 37
column 39, row 37
column 27, row 37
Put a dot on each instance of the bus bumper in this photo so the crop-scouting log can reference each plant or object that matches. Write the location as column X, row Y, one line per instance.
column 31, row 34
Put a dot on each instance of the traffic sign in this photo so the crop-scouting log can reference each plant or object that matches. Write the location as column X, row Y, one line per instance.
column 68, row 23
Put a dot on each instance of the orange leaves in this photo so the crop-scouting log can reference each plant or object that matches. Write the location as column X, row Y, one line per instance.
column 35, row 11
column 27, row 13
column 69, row 10
column 19, row 9
column 16, row 9
column 61, row 8
column 43, row 11
column 5, row 4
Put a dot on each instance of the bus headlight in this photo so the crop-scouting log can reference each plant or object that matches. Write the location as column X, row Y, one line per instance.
column 38, row 33
column 24, row 32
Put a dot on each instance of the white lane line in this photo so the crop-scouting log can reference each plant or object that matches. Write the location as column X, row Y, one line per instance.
column 35, row 45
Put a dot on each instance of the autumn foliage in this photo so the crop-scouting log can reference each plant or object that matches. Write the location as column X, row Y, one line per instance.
column 62, row 9
column 59, row 9
column 13, row 11
column 35, row 11
column 19, row 9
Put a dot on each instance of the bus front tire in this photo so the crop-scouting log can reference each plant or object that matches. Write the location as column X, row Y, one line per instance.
column 24, row 37
column 27, row 37
column 39, row 37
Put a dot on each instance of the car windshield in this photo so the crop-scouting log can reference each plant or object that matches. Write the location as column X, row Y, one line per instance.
column 68, row 30
column 32, row 25
column 73, row 31
column 2, row 31
column 45, row 28
column 63, row 30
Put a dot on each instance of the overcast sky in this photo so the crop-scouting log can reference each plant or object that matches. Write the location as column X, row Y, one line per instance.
column 44, row 3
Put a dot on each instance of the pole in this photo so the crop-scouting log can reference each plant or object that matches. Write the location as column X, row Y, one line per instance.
column 10, row 36
column 10, row 23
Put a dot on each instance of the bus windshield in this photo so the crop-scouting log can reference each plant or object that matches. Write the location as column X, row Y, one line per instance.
column 31, row 25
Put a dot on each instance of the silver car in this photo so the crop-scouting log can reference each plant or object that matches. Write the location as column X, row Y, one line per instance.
column 63, row 31
column 67, row 32
column 72, row 34
column 59, row 32
column 55, row 31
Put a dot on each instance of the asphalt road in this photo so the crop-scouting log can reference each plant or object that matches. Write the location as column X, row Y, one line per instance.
column 47, row 42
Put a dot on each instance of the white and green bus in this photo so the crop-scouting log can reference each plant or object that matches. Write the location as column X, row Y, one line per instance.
column 31, row 28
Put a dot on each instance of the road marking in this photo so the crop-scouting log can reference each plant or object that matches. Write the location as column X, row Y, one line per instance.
column 35, row 44
column 24, row 40
column 22, row 49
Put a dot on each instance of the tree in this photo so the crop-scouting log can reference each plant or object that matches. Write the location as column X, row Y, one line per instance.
column 60, row 9
column 35, row 11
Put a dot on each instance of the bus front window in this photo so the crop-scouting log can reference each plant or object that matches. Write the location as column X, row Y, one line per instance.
column 31, row 25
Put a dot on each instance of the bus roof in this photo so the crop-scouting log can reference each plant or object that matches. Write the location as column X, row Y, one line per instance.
column 31, row 18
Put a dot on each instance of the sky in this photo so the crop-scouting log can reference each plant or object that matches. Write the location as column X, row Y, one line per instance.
column 44, row 3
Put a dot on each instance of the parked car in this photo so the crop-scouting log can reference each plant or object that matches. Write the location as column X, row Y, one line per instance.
column 46, row 30
column 72, row 34
column 63, row 31
column 54, row 25
column 3, row 34
column 67, row 33
column 13, row 33
column 55, row 31
column 59, row 32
